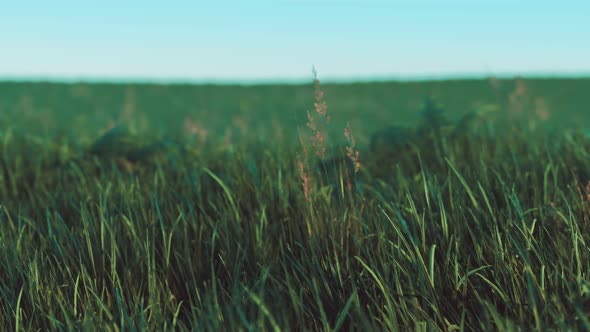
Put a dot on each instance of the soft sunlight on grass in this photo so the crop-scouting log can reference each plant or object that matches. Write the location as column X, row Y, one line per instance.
column 268, row 218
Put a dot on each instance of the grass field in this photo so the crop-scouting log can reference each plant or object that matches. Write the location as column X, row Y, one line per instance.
column 450, row 205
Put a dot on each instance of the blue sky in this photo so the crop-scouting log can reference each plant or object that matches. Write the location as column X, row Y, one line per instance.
column 281, row 40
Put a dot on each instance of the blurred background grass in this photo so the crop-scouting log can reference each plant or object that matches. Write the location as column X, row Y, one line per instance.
column 80, row 112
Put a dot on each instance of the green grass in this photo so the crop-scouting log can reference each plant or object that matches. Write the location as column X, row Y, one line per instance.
column 482, row 228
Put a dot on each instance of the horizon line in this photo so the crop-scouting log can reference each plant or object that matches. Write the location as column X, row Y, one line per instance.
column 333, row 79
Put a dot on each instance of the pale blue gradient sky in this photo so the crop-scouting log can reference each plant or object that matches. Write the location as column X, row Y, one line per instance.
column 274, row 40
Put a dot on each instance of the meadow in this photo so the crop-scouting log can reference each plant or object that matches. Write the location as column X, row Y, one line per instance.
column 453, row 205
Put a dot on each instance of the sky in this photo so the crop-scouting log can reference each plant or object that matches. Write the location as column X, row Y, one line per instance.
column 258, row 40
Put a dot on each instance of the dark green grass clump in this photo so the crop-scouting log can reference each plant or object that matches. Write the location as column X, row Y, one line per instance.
column 487, row 233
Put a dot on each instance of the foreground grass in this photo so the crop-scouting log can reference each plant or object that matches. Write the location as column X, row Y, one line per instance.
column 488, row 231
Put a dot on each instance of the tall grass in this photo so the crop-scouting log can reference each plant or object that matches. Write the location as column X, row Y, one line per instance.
column 483, row 231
